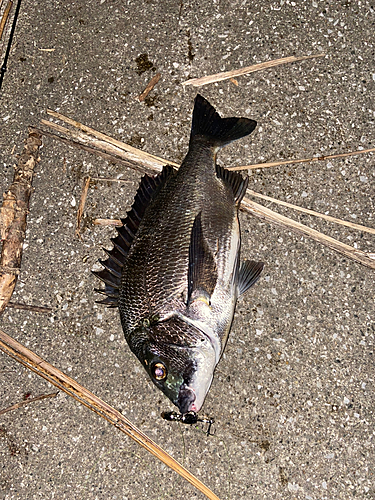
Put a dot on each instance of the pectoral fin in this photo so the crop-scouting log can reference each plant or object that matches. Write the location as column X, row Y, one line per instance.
column 248, row 275
column 202, row 273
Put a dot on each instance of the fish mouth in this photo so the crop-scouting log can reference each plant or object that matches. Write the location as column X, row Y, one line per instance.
column 186, row 399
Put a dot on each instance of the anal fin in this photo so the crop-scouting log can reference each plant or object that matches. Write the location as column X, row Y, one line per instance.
column 202, row 273
column 248, row 275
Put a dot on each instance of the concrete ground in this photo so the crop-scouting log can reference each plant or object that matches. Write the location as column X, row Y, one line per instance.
column 293, row 395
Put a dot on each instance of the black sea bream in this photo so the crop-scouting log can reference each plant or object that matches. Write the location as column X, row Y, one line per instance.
column 175, row 271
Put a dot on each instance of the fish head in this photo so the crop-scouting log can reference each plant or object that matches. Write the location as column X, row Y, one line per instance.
column 179, row 358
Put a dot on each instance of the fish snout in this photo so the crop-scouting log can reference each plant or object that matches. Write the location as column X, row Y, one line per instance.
column 186, row 399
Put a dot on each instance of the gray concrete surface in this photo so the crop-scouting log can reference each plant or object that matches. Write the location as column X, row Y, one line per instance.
column 293, row 395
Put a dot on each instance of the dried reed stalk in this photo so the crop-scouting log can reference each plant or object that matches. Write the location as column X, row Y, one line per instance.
column 146, row 159
column 111, row 157
column 352, row 225
column 303, row 160
column 53, row 375
column 219, row 77
column 4, row 18
column 367, row 259
column 13, row 218
column 105, row 146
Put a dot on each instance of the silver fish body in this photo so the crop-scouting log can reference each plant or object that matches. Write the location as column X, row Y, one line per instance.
column 174, row 272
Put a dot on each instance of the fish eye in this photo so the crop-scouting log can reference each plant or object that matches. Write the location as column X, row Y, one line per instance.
column 159, row 371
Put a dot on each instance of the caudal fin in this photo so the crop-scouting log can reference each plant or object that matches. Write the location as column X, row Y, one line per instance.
column 218, row 131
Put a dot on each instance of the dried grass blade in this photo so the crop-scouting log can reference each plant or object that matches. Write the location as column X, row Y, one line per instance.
column 81, row 205
column 312, row 212
column 303, row 160
column 28, row 401
column 53, row 375
column 218, row 77
column 367, row 259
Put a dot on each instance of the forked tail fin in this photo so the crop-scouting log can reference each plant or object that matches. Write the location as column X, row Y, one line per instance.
column 207, row 123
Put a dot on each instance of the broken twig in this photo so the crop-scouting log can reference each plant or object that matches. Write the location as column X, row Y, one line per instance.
column 154, row 80
column 81, row 206
column 311, row 212
column 27, row 401
column 53, row 375
column 13, row 218
column 218, row 77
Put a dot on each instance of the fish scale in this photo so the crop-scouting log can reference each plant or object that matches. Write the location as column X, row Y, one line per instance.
column 174, row 271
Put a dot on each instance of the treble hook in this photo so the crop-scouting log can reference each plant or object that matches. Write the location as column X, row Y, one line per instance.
column 190, row 418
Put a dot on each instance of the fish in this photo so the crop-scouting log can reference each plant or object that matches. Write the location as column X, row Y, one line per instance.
column 174, row 271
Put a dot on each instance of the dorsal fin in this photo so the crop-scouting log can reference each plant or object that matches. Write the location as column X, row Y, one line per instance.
column 237, row 183
column 202, row 273
column 111, row 275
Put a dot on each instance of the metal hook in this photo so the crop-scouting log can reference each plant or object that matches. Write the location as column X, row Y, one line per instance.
column 189, row 418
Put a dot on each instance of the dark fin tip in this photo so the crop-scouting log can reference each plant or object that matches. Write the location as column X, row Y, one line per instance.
column 249, row 274
column 110, row 300
column 219, row 131
column 108, row 278
column 108, row 303
column 235, row 180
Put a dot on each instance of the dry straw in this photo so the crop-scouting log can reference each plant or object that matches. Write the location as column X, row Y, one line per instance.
column 229, row 75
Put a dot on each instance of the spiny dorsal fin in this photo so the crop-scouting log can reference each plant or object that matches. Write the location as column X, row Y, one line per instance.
column 202, row 274
column 111, row 275
column 248, row 275
column 218, row 131
column 111, row 296
column 235, row 180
